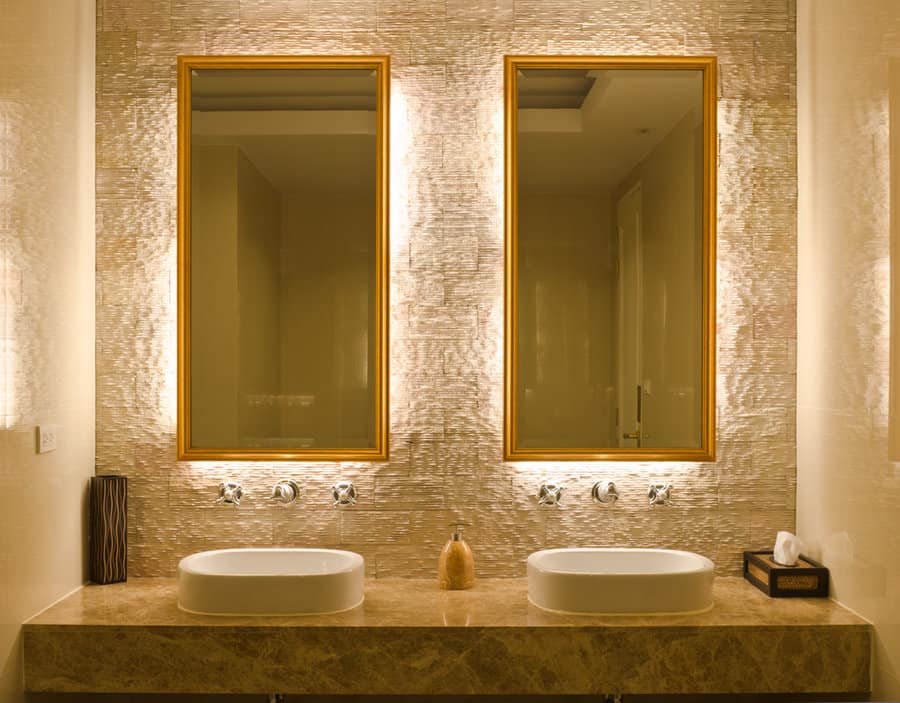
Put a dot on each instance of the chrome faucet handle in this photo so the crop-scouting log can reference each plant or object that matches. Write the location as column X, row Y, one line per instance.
column 285, row 491
column 344, row 494
column 660, row 494
column 230, row 493
column 605, row 492
column 549, row 494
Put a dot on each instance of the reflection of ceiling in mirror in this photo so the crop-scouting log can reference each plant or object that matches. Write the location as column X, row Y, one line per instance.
column 303, row 129
column 553, row 88
column 582, row 130
column 283, row 89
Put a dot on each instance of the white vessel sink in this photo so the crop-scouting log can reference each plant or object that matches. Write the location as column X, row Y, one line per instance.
column 620, row 580
column 270, row 581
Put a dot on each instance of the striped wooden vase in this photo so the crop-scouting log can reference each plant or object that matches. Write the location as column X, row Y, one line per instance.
column 108, row 529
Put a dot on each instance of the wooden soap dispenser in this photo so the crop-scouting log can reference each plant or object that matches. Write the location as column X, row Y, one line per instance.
column 456, row 567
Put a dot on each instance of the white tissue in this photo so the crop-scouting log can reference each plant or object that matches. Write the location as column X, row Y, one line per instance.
column 787, row 548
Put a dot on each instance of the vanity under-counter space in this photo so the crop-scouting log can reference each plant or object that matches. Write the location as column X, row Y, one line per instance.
column 408, row 637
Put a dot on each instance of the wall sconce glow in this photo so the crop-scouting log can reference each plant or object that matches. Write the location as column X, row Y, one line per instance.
column 10, row 280
column 401, row 165
column 165, row 340
column 8, row 364
column 169, row 341
column 497, row 190
column 891, row 269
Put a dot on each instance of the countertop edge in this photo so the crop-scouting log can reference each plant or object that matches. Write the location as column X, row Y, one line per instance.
column 469, row 650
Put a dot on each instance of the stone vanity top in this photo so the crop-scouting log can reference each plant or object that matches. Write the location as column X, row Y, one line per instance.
column 409, row 637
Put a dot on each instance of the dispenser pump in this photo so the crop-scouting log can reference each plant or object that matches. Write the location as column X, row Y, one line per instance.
column 456, row 566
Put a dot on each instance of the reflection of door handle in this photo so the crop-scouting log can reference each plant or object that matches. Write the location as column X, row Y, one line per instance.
column 640, row 407
column 632, row 435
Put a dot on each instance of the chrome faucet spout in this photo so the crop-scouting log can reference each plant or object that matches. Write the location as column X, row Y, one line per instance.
column 285, row 491
column 605, row 492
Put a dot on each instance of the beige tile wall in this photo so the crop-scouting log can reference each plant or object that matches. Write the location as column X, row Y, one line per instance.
column 446, row 283
column 848, row 488
column 46, row 308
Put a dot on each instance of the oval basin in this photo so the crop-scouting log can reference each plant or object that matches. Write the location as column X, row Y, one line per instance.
column 620, row 580
column 270, row 581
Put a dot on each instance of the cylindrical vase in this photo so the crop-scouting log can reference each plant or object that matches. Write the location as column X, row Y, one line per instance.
column 108, row 514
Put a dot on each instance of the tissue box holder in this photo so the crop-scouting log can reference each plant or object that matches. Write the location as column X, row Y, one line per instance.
column 808, row 579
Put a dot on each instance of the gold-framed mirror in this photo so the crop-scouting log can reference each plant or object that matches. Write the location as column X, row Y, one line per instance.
column 283, row 258
column 610, row 213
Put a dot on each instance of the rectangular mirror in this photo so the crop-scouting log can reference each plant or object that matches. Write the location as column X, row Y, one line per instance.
column 282, row 257
column 610, row 258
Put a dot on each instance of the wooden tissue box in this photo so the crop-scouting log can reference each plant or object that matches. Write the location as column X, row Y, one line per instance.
column 808, row 579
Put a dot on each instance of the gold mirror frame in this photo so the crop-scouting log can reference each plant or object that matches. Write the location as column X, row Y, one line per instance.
column 706, row 450
column 381, row 65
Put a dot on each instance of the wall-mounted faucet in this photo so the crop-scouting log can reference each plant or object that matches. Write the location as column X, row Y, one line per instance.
column 660, row 494
column 605, row 492
column 285, row 491
column 230, row 493
column 549, row 494
column 344, row 494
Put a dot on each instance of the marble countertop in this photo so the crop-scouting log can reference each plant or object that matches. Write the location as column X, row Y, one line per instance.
column 409, row 637
column 420, row 603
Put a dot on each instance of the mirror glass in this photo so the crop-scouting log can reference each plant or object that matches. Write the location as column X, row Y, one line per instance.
column 282, row 258
column 610, row 258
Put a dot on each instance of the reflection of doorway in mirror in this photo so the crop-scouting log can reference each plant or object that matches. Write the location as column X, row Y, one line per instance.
column 630, row 316
column 661, row 355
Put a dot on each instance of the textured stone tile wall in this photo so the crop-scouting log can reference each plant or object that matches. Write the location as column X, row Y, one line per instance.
column 447, row 284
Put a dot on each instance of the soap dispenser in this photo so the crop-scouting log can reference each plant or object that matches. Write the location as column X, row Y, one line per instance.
column 456, row 567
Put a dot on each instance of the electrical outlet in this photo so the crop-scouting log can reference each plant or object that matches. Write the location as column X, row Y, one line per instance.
column 46, row 438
